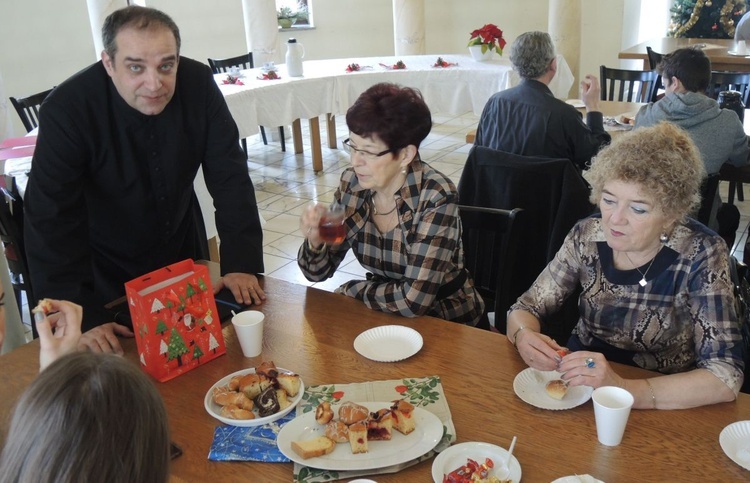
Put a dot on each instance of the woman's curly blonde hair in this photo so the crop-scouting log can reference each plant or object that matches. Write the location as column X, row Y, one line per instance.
column 662, row 160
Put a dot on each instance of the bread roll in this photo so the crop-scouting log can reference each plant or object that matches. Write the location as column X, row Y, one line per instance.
column 232, row 411
column 351, row 413
column 557, row 388
column 313, row 448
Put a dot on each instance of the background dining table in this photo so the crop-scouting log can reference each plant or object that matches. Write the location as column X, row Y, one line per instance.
column 327, row 88
column 311, row 332
column 716, row 49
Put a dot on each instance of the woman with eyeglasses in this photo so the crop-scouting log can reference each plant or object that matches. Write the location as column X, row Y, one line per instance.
column 401, row 216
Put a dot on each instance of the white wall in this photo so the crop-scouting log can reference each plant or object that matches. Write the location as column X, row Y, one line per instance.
column 42, row 42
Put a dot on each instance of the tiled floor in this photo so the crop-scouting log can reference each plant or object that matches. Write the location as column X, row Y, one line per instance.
column 285, row 183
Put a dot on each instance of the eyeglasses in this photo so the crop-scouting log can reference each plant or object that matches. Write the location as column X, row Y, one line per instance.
column 365, row 154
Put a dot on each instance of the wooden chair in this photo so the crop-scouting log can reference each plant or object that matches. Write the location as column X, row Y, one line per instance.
column 28, row 108
column 490, row 243
column 653, row 60
column 634, row 85
column 245, row 61
column 11, row 235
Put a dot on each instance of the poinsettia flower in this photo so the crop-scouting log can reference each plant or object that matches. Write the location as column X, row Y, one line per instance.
column 489, row 37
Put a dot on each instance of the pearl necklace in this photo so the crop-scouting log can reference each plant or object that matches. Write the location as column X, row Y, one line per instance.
column 642, row 282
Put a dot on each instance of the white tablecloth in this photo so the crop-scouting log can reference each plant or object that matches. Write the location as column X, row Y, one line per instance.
column 326, row 87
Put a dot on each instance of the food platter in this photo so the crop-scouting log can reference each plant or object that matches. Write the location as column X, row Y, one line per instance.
column 627, row 119
column 388, row 343
column 400, row 449
column 214, row 409
column 530, row 384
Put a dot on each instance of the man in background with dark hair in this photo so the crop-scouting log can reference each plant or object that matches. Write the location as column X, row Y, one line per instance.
column 110, row 195
column 718, row 133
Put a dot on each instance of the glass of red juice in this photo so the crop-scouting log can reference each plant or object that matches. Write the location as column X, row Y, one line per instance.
column 331, row 228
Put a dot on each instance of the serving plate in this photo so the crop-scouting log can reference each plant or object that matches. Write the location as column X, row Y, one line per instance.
column 455, row 456
column 735, row 441
column 400, row 449
column 388, row 343
column 214, row 409
column 622, row 119
column 530, row 385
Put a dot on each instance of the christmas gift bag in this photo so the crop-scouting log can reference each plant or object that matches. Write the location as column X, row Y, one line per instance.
column 175, row 320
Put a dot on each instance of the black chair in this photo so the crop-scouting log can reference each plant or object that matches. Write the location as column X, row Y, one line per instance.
column 11, row 235
column 708, row 198
column 553, row 195
column 490, row 244
column 631, row 85
column 653, row 60
column 245, row 61
column 28, row 108
column 730, row 81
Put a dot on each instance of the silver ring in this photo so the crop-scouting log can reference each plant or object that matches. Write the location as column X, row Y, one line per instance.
column 590, row 362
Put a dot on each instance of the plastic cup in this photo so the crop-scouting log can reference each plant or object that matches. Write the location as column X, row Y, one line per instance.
column 248, row 326
column 741, row 47
column 611, row 410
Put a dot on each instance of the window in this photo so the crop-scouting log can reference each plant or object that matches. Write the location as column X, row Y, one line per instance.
column 298, row 10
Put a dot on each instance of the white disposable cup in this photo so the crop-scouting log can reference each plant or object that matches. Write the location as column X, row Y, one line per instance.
column 741, row 47
column 611, row 410
column 248, row 326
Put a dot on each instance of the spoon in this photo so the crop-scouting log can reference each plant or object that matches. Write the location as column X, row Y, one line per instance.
column 503, row 472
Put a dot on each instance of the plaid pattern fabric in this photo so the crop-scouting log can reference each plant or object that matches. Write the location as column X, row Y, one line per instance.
column 683, row 319
column 409, row 264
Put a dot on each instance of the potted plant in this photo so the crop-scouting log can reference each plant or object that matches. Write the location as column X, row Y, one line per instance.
column 485, row 40
column 285, row 16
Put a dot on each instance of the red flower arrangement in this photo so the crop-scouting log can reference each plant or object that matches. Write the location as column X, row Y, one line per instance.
column 489, row 37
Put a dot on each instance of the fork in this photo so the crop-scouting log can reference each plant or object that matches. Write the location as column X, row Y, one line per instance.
column 503, row 472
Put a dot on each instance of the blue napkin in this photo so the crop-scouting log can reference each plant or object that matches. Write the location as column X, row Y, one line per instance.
column 257, row 443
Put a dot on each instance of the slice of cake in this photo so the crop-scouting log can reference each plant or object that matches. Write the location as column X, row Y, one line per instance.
column 403, row 417
column 358, row 437
column 379, row 425
column 313, row 448
column 289, row 383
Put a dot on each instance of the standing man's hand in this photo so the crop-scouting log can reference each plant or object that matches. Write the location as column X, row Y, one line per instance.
column 244, row 286
column 104, row 338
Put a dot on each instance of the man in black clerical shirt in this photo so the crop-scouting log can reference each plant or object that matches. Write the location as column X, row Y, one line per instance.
column 528, row 120
column 110, row 194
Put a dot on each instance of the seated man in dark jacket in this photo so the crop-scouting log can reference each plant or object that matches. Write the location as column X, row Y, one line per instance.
column 528, row 120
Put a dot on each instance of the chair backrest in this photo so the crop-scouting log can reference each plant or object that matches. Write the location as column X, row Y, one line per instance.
column 490, row 242
column 553, row 195
column 11, row 235
column 653, row 58
column 28, row 108
column 708, row 197
column 726, row 81
column 631, row 85
column 219, row 66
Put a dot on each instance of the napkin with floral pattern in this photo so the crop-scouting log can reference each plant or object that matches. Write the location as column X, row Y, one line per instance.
column 423, row 392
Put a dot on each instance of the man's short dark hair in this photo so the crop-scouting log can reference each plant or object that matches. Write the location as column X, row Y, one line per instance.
column 690, row 65
column 139, row 18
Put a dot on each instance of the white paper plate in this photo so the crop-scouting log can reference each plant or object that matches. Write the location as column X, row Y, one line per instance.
column 530, row 386
column 577, row 103
column 577, row 479
column 400, row 449
column 735, row 441
column 214, row 409
column 456, row 455
column 388, row 343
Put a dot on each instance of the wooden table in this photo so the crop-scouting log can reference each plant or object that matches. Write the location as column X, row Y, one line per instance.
column 715, row 49
column 311, row 331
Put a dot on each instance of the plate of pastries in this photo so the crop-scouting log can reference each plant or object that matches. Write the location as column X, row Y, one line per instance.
column 254, row 396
